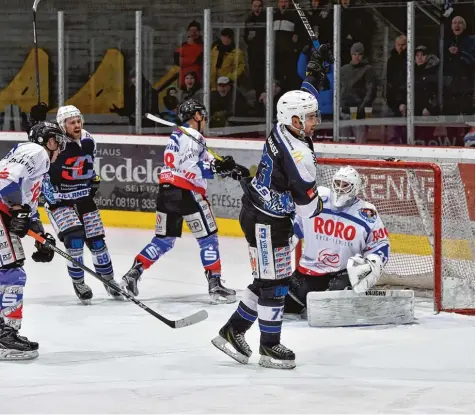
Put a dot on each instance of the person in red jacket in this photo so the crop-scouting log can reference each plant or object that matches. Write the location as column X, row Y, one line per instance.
column 189, row 56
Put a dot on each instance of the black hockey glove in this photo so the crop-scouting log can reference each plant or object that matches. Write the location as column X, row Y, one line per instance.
column 239, row 172
column 44, row 254
column 20, row 221
column 95, row 183
column 224, row 166
column 38, row 112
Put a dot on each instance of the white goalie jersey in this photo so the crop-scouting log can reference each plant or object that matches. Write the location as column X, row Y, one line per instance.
column 334, row 236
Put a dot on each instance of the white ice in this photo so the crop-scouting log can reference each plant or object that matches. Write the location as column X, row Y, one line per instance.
column 112, row 357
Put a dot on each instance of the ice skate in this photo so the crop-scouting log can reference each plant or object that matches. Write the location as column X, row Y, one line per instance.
column 131, row 279
column 276, row 357
column 115, row 294
column 15, row 347
column 218, row 293
column 233, row 344
column 83, row 291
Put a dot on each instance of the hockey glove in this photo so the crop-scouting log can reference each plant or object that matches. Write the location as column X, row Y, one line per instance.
column 44, row 254
column 20, row 221
column 239, row 172
column 38, row 112
column 224, row 166
column 95, row 183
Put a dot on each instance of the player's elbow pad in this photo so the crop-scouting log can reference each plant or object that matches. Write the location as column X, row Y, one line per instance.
column 311, row 209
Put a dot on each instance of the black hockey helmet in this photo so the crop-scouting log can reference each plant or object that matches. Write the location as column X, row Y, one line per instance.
column 43, row 131
column 188, row 108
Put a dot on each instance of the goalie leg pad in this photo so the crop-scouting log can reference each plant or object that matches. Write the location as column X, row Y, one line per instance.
column 347, row 308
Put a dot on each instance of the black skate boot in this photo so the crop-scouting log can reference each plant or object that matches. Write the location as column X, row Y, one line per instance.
column 15, row 347
column 233, row 344
column 83, row 291
column 115, row 294
column 132, row 278
column 276, row 357
column 218, row 293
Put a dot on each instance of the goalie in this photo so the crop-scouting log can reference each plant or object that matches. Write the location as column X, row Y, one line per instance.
column 345, row 247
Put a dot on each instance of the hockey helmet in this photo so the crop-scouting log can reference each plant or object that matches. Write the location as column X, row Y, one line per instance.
column 68, row 111
column 346, row 185
column 297, row 104
column 188, row 108
column 43, row 131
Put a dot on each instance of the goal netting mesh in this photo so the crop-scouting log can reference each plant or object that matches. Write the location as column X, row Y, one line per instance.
column 424, row 209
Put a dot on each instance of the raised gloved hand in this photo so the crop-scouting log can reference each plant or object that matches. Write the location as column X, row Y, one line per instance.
column 38, row 112
column 95, row 183
column 223, row 166
column 44, row 254
column 20, row 220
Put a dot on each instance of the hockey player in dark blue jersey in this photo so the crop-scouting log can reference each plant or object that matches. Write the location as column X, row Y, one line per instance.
column 69, row 189
column 285, row 182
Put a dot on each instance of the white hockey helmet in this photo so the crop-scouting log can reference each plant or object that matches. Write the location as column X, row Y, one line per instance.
column 68, row 111
column 296, row 104
column 346, row 185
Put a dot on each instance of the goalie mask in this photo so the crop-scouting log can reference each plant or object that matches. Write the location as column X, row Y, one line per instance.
column 345, row 187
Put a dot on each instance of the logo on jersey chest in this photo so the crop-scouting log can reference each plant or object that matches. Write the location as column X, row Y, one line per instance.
column 329, row 258
column 336, row 229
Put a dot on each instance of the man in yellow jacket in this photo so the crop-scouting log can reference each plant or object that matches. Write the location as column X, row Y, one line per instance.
column 226, row 59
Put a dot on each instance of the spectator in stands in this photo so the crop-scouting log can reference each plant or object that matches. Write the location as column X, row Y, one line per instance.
column 458, row 70
column 222, row 105
column 426, row 82
column 357, row 26
column 190, row 89
column 321, row 20
column 227, row 60
column 277, row 93
column 358, row 87
column 189, row 56
column 171, row 104
column 150, row 101
column 255, row 39
column 397, row 77
column 286, row 46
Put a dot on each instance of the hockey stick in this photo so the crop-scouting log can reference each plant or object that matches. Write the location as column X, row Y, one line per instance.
column 307, row 25
column 175, row 324
column 35, row 41
column 171, row 124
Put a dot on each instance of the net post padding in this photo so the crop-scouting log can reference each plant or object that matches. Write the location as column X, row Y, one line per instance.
column 435, row 240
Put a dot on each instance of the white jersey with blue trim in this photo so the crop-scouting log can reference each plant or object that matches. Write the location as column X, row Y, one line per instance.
column 334, row 236
column 186, row 162
column 21, row 174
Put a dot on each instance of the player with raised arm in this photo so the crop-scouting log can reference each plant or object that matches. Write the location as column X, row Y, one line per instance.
column 345, row 247
column 69, row 190
column 285, row 183
column 21, row 173
column 182, row 196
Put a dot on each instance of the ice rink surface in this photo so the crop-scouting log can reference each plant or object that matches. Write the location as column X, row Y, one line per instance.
column 112, row 357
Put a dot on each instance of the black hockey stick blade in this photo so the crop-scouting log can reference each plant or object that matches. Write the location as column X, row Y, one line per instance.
column 175, row 324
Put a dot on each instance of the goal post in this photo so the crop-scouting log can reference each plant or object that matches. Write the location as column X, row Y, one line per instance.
column 423, row 206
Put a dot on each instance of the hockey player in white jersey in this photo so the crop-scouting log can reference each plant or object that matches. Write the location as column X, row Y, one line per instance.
column 182, row 196
column 345, row 247
column 21, row 175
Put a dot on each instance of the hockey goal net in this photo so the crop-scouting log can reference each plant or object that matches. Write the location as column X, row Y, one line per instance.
column 424, row 208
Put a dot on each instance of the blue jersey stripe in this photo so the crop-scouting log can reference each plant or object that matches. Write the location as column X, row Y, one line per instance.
column 349, row 217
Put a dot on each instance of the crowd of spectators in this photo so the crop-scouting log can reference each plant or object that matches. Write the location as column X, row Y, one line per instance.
column 238, row 68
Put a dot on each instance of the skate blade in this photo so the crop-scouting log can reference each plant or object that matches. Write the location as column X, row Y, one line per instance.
column 269, row 362
column 221, row 344
column 115, row 295
column 221, row 299
column 9, row 355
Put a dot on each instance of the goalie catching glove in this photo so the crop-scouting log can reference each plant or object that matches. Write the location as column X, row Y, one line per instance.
column 364, row 272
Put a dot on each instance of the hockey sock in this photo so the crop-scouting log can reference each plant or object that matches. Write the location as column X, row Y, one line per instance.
column 12, row 282
column 101, row 258
column 158, row 247
column 210, row 255
column 270, row 313
column 247, row 312
column 75, row 248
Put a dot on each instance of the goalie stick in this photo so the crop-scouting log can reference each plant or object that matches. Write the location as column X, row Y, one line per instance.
column 175, row 324
column 35, row 41
column 171, row 124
